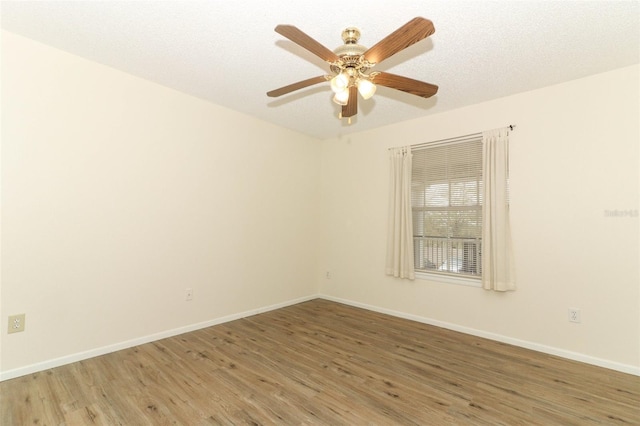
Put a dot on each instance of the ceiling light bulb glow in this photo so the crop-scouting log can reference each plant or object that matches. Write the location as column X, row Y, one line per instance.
column 366, row 88
column 339, row 82
column 342, row 97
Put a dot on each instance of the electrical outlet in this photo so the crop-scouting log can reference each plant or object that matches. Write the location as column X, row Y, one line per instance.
column 574, row 315
column 328, row 275
column 188, row 295
column 16, row 323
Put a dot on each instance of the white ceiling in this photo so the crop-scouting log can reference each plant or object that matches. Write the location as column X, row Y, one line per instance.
column 228, row 53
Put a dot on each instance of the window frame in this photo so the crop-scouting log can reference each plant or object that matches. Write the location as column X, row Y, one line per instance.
column 447, row 276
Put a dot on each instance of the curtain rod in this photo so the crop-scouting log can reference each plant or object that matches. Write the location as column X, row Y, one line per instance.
column 458, row 138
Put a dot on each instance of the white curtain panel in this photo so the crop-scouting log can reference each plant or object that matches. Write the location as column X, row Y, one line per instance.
column 497, row 255
column 400, row 227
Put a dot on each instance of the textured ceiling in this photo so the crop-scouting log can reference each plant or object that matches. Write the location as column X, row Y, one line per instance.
column 227, row 52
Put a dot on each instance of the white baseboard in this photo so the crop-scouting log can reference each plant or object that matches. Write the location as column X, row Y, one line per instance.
column 68, row 359
column 575, row 356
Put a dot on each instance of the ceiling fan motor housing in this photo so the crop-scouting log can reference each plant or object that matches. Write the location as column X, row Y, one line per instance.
column 350, row 54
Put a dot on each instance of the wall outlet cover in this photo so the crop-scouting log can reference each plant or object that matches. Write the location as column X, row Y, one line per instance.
column 16, row 323
column 574, row 315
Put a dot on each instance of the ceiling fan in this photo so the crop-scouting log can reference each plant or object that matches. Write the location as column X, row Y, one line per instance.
column 351, row 63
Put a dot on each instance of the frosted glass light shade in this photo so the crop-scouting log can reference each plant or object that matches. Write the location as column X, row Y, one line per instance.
column 339, row 82
column 366, row 88
column 342, row 97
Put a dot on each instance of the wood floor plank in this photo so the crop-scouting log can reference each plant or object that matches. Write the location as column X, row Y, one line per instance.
column 323, row 363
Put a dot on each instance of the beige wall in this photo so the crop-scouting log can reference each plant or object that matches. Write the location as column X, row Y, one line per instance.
column 118, row 194
column 574, row 155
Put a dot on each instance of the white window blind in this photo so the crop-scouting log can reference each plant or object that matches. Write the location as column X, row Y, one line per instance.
column 446, row 201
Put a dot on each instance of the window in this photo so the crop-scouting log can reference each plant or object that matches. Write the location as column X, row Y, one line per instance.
column 446, row 203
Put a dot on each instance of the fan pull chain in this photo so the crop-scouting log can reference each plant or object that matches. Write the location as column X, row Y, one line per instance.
column 340, row 117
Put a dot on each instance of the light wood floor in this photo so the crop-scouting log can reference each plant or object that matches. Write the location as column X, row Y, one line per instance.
column 322, row 363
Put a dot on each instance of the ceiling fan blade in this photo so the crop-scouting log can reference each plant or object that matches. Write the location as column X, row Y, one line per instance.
column 303, row 40
column 408, row 34
column 351, row 108
column 296, row 86
column 409, row 85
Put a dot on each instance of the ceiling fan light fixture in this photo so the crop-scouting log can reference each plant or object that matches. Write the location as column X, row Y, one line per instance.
column 342, row 97
column 350, row 64
column 366, row 88
column 339, row 82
